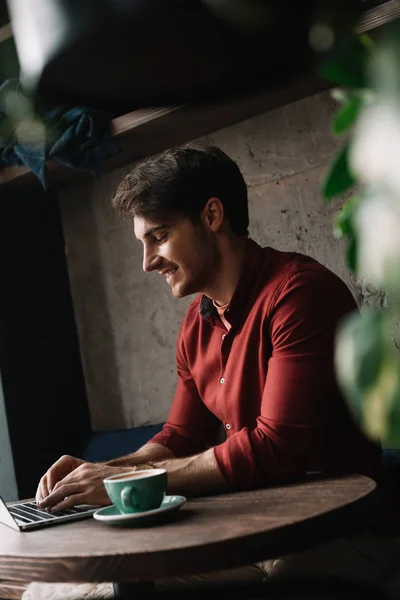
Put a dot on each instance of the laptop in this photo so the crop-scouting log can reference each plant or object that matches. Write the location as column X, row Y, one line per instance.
column 24, row 515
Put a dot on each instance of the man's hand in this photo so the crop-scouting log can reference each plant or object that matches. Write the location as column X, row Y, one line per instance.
column 82, row 485
column 64, row 465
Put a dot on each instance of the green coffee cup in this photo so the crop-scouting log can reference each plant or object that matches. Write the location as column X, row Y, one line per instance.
column 137, row 491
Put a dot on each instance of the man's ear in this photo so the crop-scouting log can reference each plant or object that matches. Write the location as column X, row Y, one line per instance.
column 213, row 215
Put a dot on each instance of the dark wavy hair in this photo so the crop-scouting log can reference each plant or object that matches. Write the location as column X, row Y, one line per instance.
column 179, row 182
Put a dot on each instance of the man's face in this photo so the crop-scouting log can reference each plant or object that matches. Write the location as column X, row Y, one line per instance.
column 184, row 253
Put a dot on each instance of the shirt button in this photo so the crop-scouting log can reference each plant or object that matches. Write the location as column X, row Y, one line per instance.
column 222, row 380
column 227, row 426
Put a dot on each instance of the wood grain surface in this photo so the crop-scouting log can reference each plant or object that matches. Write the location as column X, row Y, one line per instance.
column 11, row 590
column 379, row 16
column 206, row 533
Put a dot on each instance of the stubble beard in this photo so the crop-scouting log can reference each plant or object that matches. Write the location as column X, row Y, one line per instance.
column 207, row 248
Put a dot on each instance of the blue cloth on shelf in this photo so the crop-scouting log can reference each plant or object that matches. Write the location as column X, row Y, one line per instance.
column 78, row 137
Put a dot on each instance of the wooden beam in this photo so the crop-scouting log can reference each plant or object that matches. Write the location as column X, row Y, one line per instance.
column 126, row 123
column 378, row 16
column 11, row 590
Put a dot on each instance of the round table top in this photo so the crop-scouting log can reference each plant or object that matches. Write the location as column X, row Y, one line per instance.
column 207, row 533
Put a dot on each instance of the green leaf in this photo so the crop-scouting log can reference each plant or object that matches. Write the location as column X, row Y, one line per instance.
column 339, row 178
column 352, row 253
column 392, row 436
column 347, row 114
column 368, row 373
column 364, row 366
column 346, row 65
column 344, row 227
column 371, row 340
column 344, row 220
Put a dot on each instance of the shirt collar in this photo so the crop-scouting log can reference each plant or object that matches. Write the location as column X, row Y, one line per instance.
column 250, row 271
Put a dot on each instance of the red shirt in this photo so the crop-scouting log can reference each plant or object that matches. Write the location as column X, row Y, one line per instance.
column 270, row 380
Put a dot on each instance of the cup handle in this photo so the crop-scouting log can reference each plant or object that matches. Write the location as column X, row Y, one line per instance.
column 126, row 498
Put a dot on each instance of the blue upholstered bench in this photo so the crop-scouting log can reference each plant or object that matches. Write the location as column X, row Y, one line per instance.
column 105, row 445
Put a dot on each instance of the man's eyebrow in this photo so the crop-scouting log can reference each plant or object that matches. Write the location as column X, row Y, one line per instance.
column 157, row 228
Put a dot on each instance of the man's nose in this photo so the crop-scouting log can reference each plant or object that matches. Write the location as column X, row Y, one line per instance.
column 150, row 261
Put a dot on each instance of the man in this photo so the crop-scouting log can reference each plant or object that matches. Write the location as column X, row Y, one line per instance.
column 254, row 353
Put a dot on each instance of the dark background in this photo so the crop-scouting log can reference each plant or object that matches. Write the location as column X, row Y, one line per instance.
column 40, row 363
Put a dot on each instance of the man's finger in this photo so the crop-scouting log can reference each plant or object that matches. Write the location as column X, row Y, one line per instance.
column 69, row 502
column 52, row 482
column 72, row 478
column 64, row 491
column 60, row 469
column 45, row 487
column 39, row 495
column 57, row 486
column 53, row 477
column 42, row 490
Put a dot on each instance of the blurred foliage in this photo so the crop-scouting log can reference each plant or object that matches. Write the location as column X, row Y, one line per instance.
column 346, row 66
column 340, row 177
column 367, row 73
column 348, row 113
column 370, row 374
column 344, row 227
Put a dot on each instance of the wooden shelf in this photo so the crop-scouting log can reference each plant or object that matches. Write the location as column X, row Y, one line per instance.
column 147, row 131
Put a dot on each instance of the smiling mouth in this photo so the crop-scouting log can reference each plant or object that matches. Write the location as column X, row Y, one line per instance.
column 169, row 275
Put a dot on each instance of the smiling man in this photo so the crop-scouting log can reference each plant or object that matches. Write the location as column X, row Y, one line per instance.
column 254, row 353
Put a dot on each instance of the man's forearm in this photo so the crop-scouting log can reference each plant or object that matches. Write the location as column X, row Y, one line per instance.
column 148, row 452
column 190, row 476
column 194, row 475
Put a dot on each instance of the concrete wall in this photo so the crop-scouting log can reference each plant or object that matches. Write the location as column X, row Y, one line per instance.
column 127, row 320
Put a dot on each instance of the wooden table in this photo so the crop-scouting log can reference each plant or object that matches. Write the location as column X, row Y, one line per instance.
column 207, row 533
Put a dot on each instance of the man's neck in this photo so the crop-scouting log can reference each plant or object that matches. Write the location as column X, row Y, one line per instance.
column 226, row 280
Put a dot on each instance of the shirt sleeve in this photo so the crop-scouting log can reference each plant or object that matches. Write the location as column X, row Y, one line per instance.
column 191, row 427
column 300, row 388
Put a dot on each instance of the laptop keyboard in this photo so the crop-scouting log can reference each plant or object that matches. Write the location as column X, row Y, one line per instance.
column 29, row 512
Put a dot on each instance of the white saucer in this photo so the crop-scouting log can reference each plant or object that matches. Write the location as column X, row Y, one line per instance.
column 112, row 516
